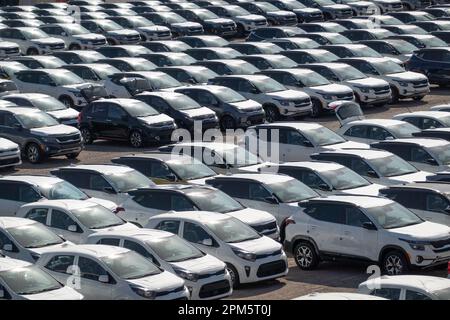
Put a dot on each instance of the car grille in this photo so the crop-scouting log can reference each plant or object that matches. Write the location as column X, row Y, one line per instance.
column 99, row 42
column 396, row 6
column 440, row 243
column 59, row 46
column 346, row 12
column 12, row 51
column 381, row 90
column 255, row 119
column 6, row 162
column 228, row 26
column 163, row 34
column 302, row 103
column 425, row 3
column 345, row 96
column 420, row 83
column 162, row 124
column 9, row 150
column 260, row 23
column 73, row 138
column 214, row 289
column 167, row 292
column 207, row 275
column 135, row 38
column 266, row 227
column 271, row 268
column 270, row 254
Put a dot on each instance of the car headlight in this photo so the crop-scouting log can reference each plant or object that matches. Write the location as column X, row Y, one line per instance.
column 403, row 83
column 76, row 94
column 285, row 103
column 85, row 41
column 364, row 89
column 145, row 293
column 327, row 96
column 416, row 245
column 42, row 45
column 245, row 255
column 47, row 138
column 190, row 276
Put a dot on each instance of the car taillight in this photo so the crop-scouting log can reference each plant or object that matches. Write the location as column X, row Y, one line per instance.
column 119, row 209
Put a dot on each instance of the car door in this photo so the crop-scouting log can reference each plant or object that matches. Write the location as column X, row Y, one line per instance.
column 10, row 249
column 14, row 194
column 62, row 267
column 437, row 208
column 421, row 159
column 146, row 204
column 97, row 117
column 293, row 146
column 116, row 122
column 198, row 236
column 376, row 133
column 99, row 187
column 63, row 224
column 90, row 273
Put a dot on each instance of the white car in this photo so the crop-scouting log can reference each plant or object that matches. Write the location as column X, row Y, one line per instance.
column 9, row 49
column 324, row 177
column 249, row 256
column 277, row 194
column 74, row 220
column 338, row 296
column 8, row 69
column 109, row 182
column 22, row 189
column 50, row 105
column 426, row 154
column 9, row 154
column 377, row 166
column 426, row 119
column 112, row 273
column 221, row 157
column 61, row 84
column 277, row 100
column 27, row 239
column 7, row 87
column 370, row 228
column 294, row 141
column 74, row 36
column 146, row 203
column 32, row 41
column 20, row 280
column 388, row 5
column 407, row 287
column 205, row 276
column 441, row 107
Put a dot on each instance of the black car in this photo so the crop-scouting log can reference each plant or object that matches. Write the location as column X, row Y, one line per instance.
column 210, row 21
column 406, row 29
column 185, row 111
column 351, row 24
column 304, row 13
column 412, row 16
column 294, row 43
column 232, row 109
column 166, row 46
column 421, row 40
column 274, row 15
column 443, row 35
column 322, row 27
column 210, row 53
column 267, row 33
column 129, row 64
column 434, row 62
column 177, row 24
column 167, row 59
column 324, row 38
column 125, row 120
column 228, row 66
column 204, row 41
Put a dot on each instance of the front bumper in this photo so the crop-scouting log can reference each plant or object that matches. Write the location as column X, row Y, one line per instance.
column 215, row 287
column 222, row 30
column 429, row 258
column 56, row 149
column 246, row 121
column 158, row 135
column 412, row 91
column 374, row 98
column 295, row 110
column 263, row 269
column 9, row 159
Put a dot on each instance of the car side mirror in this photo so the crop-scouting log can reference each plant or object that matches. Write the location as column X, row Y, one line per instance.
column 271, row 200
column 324, row 187
column 103, row 278
column 431, row 161
column 72, row 228
column 8, row 247
column 307, row 143
column 255, row 90
column 372, row 174
column 191, row 81
column 207, row 242
column 369, row 226
column 109, row 190
column 171, row 177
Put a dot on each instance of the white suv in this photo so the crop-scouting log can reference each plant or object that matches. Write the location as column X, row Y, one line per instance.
column 32, row 41
column 75, row 36
column 374, row 229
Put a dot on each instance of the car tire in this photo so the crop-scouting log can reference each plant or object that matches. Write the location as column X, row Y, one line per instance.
column 111, row 42
column 73, row 156
column 136, row 139
column 395, row 95
column 86, row 133
column 32, row 52
column 240, row 30
column 33, row 153
column 234, row 275
column 272, row 113
column 316, row 109
column 394, row 262
column 67, row 101
column 74, row 46
column 227, row 122
column 305, row 256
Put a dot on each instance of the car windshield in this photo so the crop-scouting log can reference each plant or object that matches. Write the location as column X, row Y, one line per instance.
column 402, row 46
column 96, row 217
column 266, row 6
column 190, row 170
column 239, row 157
column 338, row 39
column 243, row 68
column 109, row 25
column 34, row 34
column 213, row 200
column 387, row 20
column 130, row 180
column 392, row 166
column 403, row 130
column 215, row 42
column 174, row 249
column 140, row 64
column 130, row 265
column 292, row 4
column 62, row 190
column 163, row 81
column 182, row 102
column 34, row 235
column 268, row 85
column 36, row 120
column 137, row 21
column 48, row 103
column 387, row 67
column 433, row 42
column 292, row 190
column 206, row 14
column 344, row 178
column 75, row 29
column 7, row 86
column 322, row 136
column 172, row 17
column 393, row 215
column 236, row 11
column 325, row 56
column 66, row 78
column 281, row 63
column 105, row 71
column 441, row 153
column 203, row 75
column 325, row 2
column 365, row 52
column 139, row 109
column 29, row 280
column 312, row 79
column 229, row 95
column 348, row 73
column 231, row 230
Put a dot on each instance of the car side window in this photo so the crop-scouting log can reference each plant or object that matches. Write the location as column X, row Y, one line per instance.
column 428, row 123
column 181, row 203
column 415, row 295
column 360, row 167
column 357, row 132
column 293, row 137
column 195, row 234
column 415, row 121
column 377, row 133
column 258, row 192
column 327, row 74
column 437, row 203
column 172, row 226
column 28, row 194
column 159, row 170
column 206, row 98
column 116, row 112
column 97, row 182
column 6, row 294
column 61, row 220
column 109, row 241
column 312, row 180
column 38, row 214
column 91, row 270
column 61, row 264
column 154, row 200
column 387, row 293
column 420, row 155
column 4, row 239
column 354, row 217
column 236, row 189
column 99, row 110
column 245, row 86
column 137, row 248
column 7, row 120
column 326, row 212
column 77, row 178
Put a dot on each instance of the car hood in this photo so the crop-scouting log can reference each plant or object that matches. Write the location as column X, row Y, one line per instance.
column 157, row 119
column 338, row 7
column 78, row 86
column 89, row 36
column 369, row 81
column 361, row 4
column 153, row 29
column 8, row 45
column 123, row 227
column 251, row 17
column 68, row 113
column 388, row 1
column 412, row 177
column 332, row 88
column 347, row 145
column 6, row 144
column 123, row 32
column 219, row 21
column 261, row 245
column 202, row 265
column 64, row 293
column 163, row 281
column 192, row 113
column 187, row 24
column 252, row 216
column 59, row 129
column 281, row 13
column 48, row 41
column 423, row 231
column 105, row 203
column 307, row 10
column 407, row 76
column 288, row 95
column 247, row 105
column 370, row 190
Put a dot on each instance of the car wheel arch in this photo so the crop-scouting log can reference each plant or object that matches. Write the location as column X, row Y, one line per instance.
column 388, row 248
column 298, row 239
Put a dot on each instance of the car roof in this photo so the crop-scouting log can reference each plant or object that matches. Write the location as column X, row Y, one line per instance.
column 299, row 72
column 214, row 89
column 297, row 125
column 97, row 250
column 319, row 166
column 68, row 204
column 121, row 101
column 163, row 156
column 437, row 186
column 431, row 114
column 265, row 178
column 13, row 222
column 360, row 201
column 352, row 46
column 102, row 168
column 369, row 59
column 250, row 77
column 162, row 94
column 8, row 264
column 428, row 283
column 30, row 96
column 20, row 110
column 424, row 142
column 379, row 122
column 38, row 180
column 338, row 296
column 200, row 216
column 363, row 153
column 141, row 234
column 211, row 145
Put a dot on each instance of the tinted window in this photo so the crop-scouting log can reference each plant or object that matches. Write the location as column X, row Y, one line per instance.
column 109, row 241
column 354, row 217
column 327, row 212
column 90, row 269
column 414, row 295
column 233, row 188
column 136, row 247
column 436, row 202
column 172, row 226
column 38, row 214
column 61, row 263
column 61, row 220
column 194, row 233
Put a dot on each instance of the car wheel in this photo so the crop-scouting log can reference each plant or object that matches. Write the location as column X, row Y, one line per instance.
column 305, row 256
column 111, row 42
column 67, row 101
column 33, row 153
column 419, row 98
column 272, row 113
column 394, row 262
column 227, row 122
column 73, row 155
column 74, row 46
column 136, row 139
column 87, row 135
column 32, row 52
column 240, row 30
column 395, row 95
column 316, row 109
column 234, row 275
